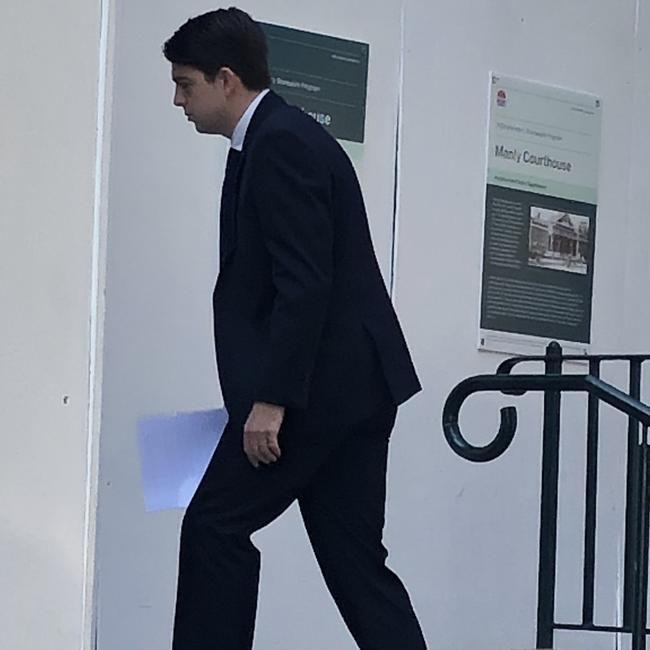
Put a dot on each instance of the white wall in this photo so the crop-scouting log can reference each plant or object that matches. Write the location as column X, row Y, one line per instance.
column 48, row 118
column 476, row 540
column 638, row 269
column 464, row 537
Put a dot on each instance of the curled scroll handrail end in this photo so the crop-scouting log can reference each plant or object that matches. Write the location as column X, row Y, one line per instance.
column 478, row 454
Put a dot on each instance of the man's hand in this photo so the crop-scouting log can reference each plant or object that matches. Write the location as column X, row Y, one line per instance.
column 261, row 433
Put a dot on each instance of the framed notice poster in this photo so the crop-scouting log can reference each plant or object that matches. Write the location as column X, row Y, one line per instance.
column 540, row 217
column 326, row 76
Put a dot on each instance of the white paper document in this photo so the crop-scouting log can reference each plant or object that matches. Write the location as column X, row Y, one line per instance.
column 174, row 454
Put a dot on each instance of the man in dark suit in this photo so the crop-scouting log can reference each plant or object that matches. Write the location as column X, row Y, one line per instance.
column 311, row 357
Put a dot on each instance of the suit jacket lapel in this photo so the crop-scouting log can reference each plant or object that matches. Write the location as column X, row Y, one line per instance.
column 270, row 103
column 229, row 194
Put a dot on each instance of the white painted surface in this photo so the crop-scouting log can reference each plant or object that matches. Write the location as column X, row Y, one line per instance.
column 463, row 537
column 48, row 110
column 471, row 553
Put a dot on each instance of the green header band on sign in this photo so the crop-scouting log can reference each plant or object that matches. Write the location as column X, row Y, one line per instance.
column 540, row 186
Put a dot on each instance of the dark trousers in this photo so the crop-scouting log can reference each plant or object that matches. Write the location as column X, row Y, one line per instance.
column 339, row 479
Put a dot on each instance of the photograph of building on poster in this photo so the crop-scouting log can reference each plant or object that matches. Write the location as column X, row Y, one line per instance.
column 541, row 204
column 558, row 241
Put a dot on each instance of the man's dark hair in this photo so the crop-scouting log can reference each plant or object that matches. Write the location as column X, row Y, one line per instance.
column 227, row 38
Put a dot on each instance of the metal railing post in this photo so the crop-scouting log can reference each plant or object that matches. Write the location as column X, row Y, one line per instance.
column 549, row 503
column 591, row 498
column 633, row 506
column 643, row 535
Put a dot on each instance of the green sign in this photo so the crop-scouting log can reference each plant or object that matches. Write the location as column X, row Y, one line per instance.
column 540, row 215
column 325, row 76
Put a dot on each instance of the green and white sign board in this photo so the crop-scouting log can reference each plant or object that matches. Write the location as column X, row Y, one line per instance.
column 540, row 216
column 325, row 76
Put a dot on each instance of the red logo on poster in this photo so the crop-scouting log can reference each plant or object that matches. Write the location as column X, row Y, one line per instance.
column 502, row 98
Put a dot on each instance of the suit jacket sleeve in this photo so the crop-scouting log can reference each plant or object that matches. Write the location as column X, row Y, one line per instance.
column 292, row 196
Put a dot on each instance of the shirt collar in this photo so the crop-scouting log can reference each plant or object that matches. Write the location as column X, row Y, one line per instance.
column 239, row 134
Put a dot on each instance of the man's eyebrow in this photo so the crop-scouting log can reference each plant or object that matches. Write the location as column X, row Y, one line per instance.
column 180, row 77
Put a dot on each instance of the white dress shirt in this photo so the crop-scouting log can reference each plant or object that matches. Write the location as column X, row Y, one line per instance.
column 239, row 134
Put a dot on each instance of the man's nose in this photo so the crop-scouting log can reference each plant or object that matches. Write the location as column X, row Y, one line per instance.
column 178, row 99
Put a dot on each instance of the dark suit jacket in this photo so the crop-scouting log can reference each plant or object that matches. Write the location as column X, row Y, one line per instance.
column 302, row 317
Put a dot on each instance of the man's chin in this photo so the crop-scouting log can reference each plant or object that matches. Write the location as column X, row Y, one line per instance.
column 206, row 130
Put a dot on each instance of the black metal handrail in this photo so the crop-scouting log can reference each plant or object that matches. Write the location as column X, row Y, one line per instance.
column 508, row 365
column 519, row 385
column 637, row 517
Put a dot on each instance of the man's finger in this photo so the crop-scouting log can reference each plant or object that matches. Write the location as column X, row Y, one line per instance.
column 257, row 453
column 261, row 447
column 265, row 455
column 250, row 452
column 274, row 448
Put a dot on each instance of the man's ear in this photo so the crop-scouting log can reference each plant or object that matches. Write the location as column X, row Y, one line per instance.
column 229, row 80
